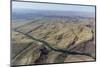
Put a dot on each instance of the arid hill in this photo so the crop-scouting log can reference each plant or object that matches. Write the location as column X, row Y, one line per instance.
column 53, row 41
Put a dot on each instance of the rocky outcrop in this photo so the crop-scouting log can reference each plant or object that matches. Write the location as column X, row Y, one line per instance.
column 77, row 58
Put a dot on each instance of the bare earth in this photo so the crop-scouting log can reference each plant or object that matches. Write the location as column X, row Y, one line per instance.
column 53, row 41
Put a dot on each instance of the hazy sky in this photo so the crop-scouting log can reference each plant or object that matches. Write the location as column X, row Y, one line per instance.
column 44, row 6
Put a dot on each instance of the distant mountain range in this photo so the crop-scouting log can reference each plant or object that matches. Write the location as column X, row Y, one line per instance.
column 29, row 14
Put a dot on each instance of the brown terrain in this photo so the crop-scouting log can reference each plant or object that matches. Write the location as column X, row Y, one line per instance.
column 53, row 41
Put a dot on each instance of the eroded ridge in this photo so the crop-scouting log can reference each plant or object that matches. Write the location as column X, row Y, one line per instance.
column 57, row 39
